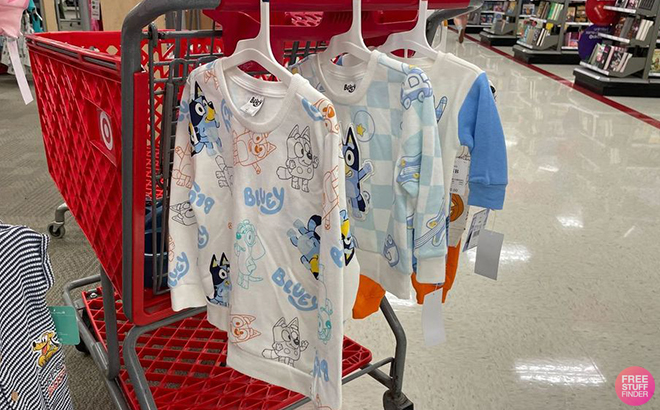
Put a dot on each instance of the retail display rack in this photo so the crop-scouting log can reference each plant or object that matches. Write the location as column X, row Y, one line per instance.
column 639, row 73
column 108, row 106
column 482, row 17
column 502, row 31
column 543, row 34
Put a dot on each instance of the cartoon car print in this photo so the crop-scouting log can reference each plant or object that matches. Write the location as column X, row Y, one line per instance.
column 417, row 86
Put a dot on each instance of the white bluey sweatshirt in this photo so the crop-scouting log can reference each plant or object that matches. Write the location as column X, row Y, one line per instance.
column 259, row 229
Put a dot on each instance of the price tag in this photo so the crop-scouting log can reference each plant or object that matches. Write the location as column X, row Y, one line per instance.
column 488, row 254
column 433, row 322
column 66, row 325
column 96, row 9
column 478, row 224
column 459, row 179
column 253, row 105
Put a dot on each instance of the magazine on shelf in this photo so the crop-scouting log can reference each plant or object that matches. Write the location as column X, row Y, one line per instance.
column 570, row 14
column 528, row 9
column 581, row 14
column 655, row 62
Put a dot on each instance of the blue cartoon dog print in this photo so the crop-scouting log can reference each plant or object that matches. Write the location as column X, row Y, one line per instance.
column 248, row 249
column 221, row 283
column 301, row 162
column 356, row 173
column 308, row 243
column 203, row 126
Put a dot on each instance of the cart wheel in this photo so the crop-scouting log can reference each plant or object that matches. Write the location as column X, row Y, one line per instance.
column 399, row 402
column 82, row 347
column 56, row 230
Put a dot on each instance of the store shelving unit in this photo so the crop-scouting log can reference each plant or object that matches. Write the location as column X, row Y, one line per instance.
column 477, row 20
column 502, row 32
column 552, row 48
column 636, row 79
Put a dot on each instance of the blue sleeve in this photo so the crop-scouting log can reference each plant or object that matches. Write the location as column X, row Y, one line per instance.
column 480, row 129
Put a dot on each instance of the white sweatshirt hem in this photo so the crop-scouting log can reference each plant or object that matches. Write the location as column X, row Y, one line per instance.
column 186, row 296
column 270, row 371
column 376, row 267
column 432, row 270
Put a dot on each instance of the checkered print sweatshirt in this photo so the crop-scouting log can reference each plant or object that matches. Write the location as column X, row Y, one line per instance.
column 394, row 170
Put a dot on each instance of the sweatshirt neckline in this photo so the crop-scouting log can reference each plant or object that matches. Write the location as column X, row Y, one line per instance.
column 365, row 70
column 256, row 86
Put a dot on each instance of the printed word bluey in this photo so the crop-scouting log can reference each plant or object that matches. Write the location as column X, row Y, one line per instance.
column 269, row 203
column 298, row 297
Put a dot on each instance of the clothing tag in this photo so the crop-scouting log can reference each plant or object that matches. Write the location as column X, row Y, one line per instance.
column 18, row 71
column 253, row 105
column 350, row 87
column 460, row 177
column 478, row 223
column 66, row 325
column 433, row 322
column 96, row 9
column 488, row 254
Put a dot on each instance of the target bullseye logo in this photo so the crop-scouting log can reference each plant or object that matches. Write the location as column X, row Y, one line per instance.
column 106, row 130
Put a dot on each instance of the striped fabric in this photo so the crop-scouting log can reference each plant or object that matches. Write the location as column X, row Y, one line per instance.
column 32, row 371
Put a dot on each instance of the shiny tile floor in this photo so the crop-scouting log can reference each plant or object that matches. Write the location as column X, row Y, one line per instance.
column 578, row 295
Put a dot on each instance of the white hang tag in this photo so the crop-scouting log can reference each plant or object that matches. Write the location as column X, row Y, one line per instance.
column 433, row 322
column 18, row 71
column 253, row 105
column 488, row 254
column 478, row 224
column 96, row 9
column 459, row 178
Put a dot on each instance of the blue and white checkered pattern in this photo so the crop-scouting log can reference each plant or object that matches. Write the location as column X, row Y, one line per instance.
column 396, row 130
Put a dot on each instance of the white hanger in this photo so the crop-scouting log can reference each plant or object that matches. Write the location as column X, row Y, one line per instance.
column 258, row 49
column 350, row 42
column 414, row 39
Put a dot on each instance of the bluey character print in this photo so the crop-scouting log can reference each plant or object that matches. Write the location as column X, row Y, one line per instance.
column 183, row 213
column 391, row 251
column 356, row 173
column 241, row 328
column 347, row 237
column 226, row 115
column 329, row 114
column 251, row 148
column 203, row 126
column 308, row 243
column 221, row 282
column 248, row 249
column 325, row 324
column 182, row 168
column 330, row 198
column 311, row 110
column 225, row 173
column 301, row 161
column 287, row 344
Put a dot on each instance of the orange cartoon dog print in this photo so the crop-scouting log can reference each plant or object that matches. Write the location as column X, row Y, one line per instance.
column 250, row 148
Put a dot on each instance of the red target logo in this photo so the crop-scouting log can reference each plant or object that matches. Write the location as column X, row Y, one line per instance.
column 105, row 128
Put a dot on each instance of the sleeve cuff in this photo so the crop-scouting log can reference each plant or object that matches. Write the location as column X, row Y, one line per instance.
column 487, row 196
column 431, row 270
column 187, row 296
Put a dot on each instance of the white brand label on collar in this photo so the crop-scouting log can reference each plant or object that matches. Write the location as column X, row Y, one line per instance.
column 253, row 105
